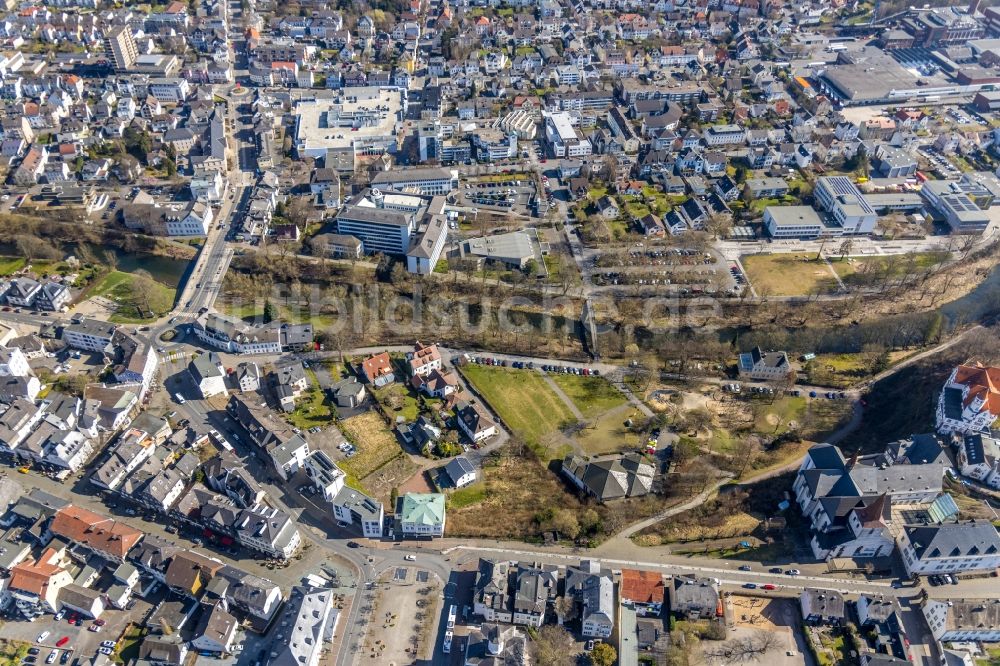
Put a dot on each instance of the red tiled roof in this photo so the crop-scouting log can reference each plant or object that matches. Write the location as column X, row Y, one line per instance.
column 642, row 586
column 377, row 365
column 95, row 531
column 982, row 382
column 34, row 577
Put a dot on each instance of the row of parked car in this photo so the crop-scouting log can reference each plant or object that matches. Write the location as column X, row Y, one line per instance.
column 942, row 579
column 530, row 365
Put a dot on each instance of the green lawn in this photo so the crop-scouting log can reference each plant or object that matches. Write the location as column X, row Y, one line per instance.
column 120, row 288
column 312, row 408
column 607, row 433
column 529, row 407
column 398, row 399
column 774, row 419
column 592, row 395
column 128, row 646
column 9, row 265
column 463, row 497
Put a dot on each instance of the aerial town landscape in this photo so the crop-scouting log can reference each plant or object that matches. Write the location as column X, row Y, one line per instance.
column 500, row 333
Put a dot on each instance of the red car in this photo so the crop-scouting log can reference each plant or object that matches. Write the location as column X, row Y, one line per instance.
column 62, row 641
column 769, row 586
column 100, row 623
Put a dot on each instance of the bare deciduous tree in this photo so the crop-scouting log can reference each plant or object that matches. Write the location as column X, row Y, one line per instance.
column 743, row 650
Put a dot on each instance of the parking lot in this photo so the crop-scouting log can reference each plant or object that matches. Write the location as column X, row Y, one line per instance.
column 407, row 606
column 514, row 193
column 72, row 641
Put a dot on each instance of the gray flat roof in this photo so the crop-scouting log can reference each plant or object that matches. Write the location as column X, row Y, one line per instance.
column 374, row 215
column 512, row 247
column 794, row 216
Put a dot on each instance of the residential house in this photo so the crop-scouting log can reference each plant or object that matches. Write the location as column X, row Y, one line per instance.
column 758, row 365
column 822, row 606
column 979, row 458
column 475, row 422
column 105, row 537
column 972, row 620
column 693, row 598
column 610, row 479
column 643, row 590
column 377, row 369
column 423, row 359
column 310, row 620
column 950, row 547
column 460, row 471
column 534, row 589
column 355, row 508
column 208, row 374
column 35, row 586
column 436, row 384
column 491, row 598
column 216, row 629
column 421, row 515
column 593, row 591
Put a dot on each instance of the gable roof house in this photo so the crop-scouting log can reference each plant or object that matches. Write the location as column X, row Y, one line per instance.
column 593, row 590
column 103, row 536
column 377, row 369
column 35, row 586
column 475, row 422
column 188, row 573
column 460, row 471
column 423, row 359
column 208, row 374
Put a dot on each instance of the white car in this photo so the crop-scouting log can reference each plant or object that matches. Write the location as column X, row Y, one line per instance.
column 107, row 651
column 410, row 558
column 107, row 644
column 42, row 636
column 60, row 615
column 51, row 659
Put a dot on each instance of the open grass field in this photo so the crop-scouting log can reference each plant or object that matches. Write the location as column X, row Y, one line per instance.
column 592, row 395
column 862, row 271
column 376, row 444
column 608, row 433
column 9, row 265
column 119, row 287
column 788, row 274
column 529, row 407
